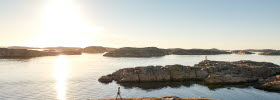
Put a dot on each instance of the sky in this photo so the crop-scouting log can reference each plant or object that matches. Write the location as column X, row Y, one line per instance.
column 222, row 24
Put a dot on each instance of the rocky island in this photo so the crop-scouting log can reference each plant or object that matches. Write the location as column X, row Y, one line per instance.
column 275, row 52
column 21, row 51
column 197, row 51
column 5, row 52
column 210, row 72
column 137, row 52
column 156, row 52
column 97, row 49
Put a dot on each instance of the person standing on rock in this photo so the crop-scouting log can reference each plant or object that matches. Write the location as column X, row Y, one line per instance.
column 119, row 93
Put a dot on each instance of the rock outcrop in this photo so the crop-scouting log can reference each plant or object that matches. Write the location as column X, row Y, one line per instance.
column 197, row 51
column 241, row 52
column 271, row 83
column 137, row 52
column 97, row 49
column 211, row 72
column 276, row 52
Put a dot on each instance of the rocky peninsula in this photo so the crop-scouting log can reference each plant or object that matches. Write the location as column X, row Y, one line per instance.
column 210, row 72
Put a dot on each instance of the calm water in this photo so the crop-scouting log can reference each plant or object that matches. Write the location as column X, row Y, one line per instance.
column 75, row 78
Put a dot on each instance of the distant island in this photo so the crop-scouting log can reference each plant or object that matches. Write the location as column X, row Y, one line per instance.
column 276, row 52
column 21, row 51
column 157, row 52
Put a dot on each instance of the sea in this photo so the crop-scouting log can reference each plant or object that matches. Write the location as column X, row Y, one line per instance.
column 75, row 77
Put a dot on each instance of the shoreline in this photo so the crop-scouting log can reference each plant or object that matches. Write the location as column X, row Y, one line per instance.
column 159, row 98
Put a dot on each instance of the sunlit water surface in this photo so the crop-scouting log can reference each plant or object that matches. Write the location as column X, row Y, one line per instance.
column 74, row 77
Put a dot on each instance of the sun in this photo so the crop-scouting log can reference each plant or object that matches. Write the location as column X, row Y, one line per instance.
column 64, row 25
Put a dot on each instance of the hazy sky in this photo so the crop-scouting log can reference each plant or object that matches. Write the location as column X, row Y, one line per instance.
column 223, row 24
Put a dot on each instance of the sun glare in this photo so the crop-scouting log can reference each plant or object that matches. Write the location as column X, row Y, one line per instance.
column 60, row 74
column 65, row 26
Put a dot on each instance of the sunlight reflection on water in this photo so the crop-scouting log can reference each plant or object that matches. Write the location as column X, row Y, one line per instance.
column 75, row 77
column 60, row 74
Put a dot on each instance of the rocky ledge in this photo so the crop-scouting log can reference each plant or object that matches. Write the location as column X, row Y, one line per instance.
column 159, row 98
column 210, row 72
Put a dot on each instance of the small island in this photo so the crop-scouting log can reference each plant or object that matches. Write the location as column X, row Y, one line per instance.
column 210, row 72
column 275, row 52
